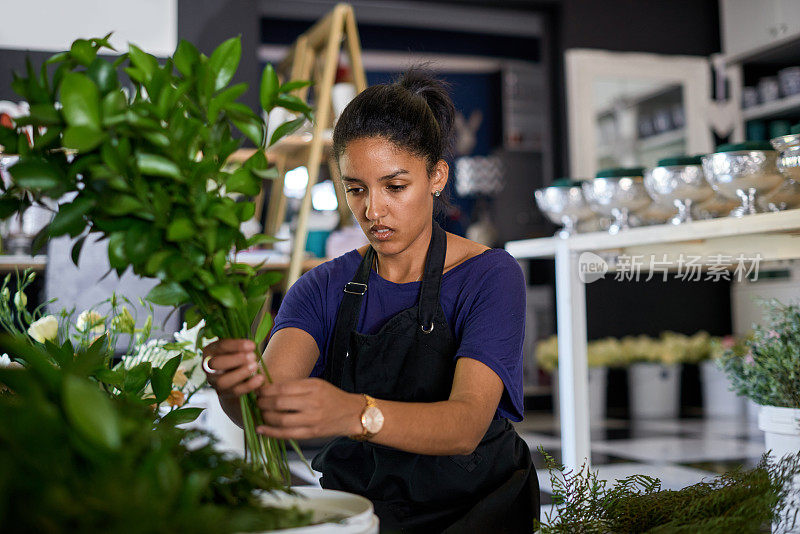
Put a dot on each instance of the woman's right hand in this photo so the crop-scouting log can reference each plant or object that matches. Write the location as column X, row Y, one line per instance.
column 235, row 367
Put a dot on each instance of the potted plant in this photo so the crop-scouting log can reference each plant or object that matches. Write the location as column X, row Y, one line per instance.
column 600, row 355
column 655, row 371
column 768, row 373
column 143, row 167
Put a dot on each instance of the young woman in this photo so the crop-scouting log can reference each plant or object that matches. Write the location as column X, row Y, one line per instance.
column 408, row 351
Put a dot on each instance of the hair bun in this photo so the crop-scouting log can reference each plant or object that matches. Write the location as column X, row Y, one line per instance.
column 422, row 82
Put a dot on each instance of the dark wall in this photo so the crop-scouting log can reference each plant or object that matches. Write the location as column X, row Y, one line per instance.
column 688, row 27
column 207, row 23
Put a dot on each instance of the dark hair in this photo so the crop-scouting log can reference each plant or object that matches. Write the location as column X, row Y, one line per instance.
column 415, row 113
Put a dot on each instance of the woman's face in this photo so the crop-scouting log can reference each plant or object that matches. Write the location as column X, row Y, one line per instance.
column 390, row 192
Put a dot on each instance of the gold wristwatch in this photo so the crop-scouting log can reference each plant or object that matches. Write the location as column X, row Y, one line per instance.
column 371, row 420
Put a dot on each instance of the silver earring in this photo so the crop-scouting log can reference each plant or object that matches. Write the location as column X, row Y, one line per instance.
column 437, row 193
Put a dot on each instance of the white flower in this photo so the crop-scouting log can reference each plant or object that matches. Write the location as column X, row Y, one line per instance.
column 188, row 336
column 5, row 361
column 90, row 320
column 45, row 328
column 20, row 300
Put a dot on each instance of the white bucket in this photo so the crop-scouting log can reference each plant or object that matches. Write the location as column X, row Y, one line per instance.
column 654, row 390
column 718, row 399
column 359, row 514
column 598, row 387
column 781, row 428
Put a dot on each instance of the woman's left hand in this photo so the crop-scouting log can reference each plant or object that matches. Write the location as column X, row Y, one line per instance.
column 308, row 408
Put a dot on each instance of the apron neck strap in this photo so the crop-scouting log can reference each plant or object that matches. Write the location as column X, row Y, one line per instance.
column 432, row 278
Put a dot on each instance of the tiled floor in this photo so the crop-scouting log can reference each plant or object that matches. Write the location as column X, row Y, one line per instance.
column 680, row 452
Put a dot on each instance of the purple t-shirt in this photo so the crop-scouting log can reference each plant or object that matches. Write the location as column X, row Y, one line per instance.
column 482, row 298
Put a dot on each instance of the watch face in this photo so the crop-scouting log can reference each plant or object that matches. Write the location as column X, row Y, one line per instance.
column 372, row 420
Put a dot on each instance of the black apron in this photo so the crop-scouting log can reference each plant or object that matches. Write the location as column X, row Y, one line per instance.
column 411, row 359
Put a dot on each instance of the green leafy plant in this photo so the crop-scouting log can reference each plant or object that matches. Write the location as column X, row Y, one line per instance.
column 765, row 366
column 144, row 167
column 738, row 501
column 73, row 459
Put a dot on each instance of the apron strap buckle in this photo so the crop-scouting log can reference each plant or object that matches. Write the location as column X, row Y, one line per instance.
column 428, row 330
column 355, row 288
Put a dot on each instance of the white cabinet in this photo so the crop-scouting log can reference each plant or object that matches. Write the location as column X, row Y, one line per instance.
column 748, row 25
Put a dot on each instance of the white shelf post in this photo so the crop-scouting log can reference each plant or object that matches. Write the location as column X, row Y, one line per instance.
column 573, row 380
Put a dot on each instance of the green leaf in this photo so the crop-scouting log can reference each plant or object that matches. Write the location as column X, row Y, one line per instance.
column 40, row 240
column 89, row 361
column 83, row 52
column 136, row 378
column 112, row 378
column 37, row 174
column 157, row 138
column 8, row 206
column 116, row 251
column 91, row 413
column 161, row 379
column 224, row 61
column 224, row 98
column 245, row 210
column 181, row 416
column 186, row 55
column 225, row 214
column 263, row 328
column 178, row 269
column 181, row 229
column 168, row 294
column 82, row 138
column 225, row 294
column 261, row 283
column 269, row 88
column 144, row 62
column 258, row 161
column 69, row 218
column 80, row 99
column 286, row 128
column 261, row 239
column 266, row 174
column 218, row 263
column 243, row 181
column 123, row 205
column 294, row 84
column 141, row 241
column 114, row 103
column 156, row 261
column 45, row 114
column 293, row 103
column 153, row 165
column 252, row 128
column 76, row 250
column 8, row 139
column 102, row 73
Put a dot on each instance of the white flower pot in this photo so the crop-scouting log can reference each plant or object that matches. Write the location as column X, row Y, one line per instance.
column 359, row 514
column 598, row 386
column 654, row 390
column 781, row 428
column 718, row 399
